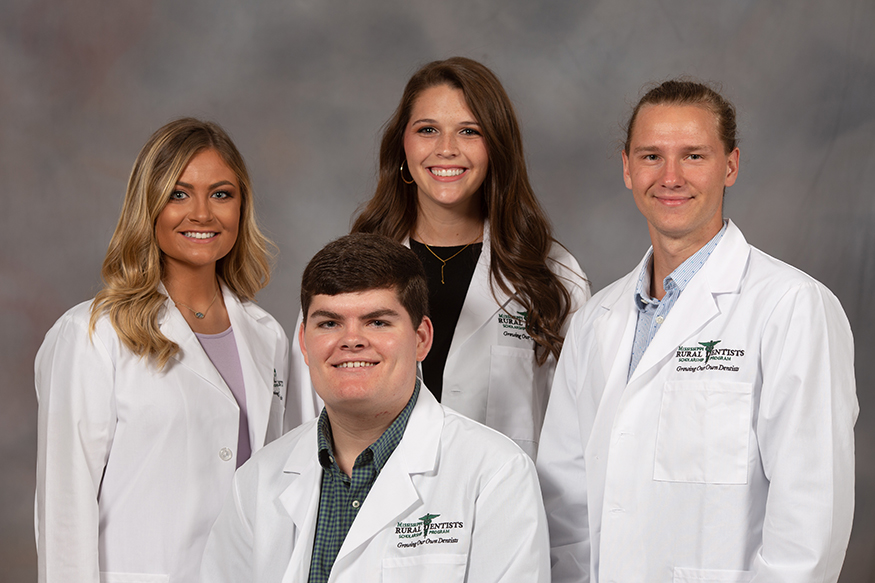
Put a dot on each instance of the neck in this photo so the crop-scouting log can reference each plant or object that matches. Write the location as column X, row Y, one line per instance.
column 351, row 436
column 354, row 428
column 195, row 287
column 669, row 253
column 447, row 229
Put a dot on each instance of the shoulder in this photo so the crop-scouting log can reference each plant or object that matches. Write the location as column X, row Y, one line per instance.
column 479, row 447
column 260, row 315
column 275, row 456
column 74, row 323
column 770, row 278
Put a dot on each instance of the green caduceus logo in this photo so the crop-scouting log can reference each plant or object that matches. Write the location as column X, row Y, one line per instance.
column 709, row 348
column 426, row 523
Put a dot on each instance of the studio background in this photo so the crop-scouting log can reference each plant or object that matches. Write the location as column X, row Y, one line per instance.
column 304, row 88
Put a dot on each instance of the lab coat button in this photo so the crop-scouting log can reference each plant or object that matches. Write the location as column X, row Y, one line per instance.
column 225, row 454
column 356, row 503
column 660, row 319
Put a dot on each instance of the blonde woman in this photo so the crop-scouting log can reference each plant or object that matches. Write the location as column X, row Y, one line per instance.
column 153, row 393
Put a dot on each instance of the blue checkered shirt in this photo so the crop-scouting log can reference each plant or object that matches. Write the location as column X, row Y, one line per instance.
column 652, row 312
column 342, row 496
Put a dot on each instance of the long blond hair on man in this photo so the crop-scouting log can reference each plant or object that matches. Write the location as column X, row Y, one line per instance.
column 133, row 267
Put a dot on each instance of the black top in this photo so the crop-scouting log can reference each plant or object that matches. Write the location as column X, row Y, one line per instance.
column 445, row 301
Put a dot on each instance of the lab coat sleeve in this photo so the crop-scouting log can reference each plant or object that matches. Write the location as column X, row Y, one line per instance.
column 76, row 421
column 509, row 539
column 228, row 556
column 562, row 469
column 303, row 403
column 805, row 424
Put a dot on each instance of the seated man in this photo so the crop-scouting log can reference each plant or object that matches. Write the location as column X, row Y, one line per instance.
column 387, row 485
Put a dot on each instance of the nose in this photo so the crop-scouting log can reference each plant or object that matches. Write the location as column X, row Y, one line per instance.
column 672, row 174
column 202, row 210
column 353, row 338
column 447, row 146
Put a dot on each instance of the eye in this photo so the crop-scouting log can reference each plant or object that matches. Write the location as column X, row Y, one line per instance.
column 327, row 324
column 650, row 157
column 222, row 195
column 695, row 156
column 379, row 323
column 428, row 130
column 470, row 132
column 178, row 195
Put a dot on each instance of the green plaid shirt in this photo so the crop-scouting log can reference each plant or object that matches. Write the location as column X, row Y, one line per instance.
column 342, row 496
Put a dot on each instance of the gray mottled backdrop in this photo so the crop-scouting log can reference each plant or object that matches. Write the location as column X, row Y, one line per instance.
column 304, row 88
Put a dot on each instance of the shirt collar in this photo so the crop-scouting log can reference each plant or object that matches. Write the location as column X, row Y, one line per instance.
column 677, row 279
column 379, row 451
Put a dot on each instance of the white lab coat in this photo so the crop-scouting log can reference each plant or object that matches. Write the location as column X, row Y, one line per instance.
column 736, row 469
column 491, row 374
column 134, row 462
column 481, row 489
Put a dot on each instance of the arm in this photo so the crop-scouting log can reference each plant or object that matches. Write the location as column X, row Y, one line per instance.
column 509, row 541
column 805, row 432
column 562, row 469
column 76, row 421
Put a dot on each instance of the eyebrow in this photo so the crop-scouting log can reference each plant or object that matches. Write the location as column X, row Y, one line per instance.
column 382, row 313
column 212, row 186
column 650, row 149
column 435, row 122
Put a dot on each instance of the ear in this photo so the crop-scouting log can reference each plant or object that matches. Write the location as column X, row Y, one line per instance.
column 732, row 168
column 627, row 178
column 424, row 337
column 301, row 342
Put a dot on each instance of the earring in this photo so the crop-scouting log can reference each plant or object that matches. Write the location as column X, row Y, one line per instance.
column 402, row 174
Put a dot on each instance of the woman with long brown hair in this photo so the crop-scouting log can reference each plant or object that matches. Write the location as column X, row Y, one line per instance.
column 453, row 185
column 154, row 392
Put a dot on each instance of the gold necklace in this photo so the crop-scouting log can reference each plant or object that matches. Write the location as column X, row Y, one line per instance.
column 444, row 261
column 199, row 315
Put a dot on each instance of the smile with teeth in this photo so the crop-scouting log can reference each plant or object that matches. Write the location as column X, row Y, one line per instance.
column 446, row 172
column 194, row 235
column 355, row 364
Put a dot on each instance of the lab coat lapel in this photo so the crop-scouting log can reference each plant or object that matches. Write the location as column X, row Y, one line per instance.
column 394, row 495
column 698, row 303
column 191, row 354
column 615, row 331
column 256, row 346
column 480, row 305
column 301, row 501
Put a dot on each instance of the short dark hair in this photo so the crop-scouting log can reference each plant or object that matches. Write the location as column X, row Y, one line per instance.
column 362, row 262
column 686, row 91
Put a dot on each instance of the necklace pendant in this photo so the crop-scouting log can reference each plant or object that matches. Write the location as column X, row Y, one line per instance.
column 199, row 315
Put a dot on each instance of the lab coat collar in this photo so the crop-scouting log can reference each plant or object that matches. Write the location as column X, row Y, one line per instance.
column 390, row 499
column 394, row 494
column 698, row 304
column 301, row 500
column 256, row 349
column 480, row 304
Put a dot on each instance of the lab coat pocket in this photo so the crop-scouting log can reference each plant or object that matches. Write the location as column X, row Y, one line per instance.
column 425, row 568
column 106, row 577
column 510, row 404
column 703, row 434
column 710, row 576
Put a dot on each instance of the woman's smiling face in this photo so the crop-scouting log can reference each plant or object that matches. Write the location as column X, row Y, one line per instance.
column 445, row 150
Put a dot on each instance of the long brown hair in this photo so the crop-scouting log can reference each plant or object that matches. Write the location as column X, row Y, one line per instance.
column 520, row 234
column 134, row 264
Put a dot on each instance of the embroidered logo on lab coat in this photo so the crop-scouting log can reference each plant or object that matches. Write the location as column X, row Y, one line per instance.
column 277, row 385
column 426, row 532
column 707, row 356
column 514, row 325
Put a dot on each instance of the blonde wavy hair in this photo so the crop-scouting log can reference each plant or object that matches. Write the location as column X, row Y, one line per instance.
column 134, row 264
